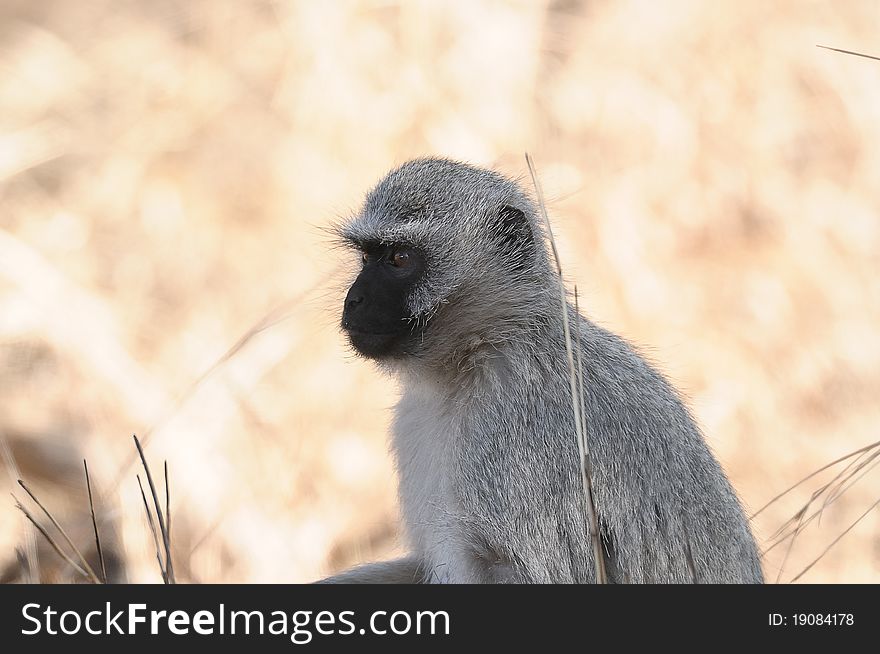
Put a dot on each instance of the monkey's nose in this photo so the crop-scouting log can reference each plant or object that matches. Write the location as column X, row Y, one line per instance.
column 354, row 300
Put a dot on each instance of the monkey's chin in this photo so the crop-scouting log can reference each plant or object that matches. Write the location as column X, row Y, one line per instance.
column 376, row 346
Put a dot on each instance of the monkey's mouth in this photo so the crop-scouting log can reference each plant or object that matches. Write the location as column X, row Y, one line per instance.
column 376, row 345
column 357, row 332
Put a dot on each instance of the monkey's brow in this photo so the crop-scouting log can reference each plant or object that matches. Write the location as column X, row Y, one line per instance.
column 366, row 244
column 374, row 244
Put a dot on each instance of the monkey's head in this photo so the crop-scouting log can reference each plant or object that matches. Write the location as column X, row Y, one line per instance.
column 452, row 259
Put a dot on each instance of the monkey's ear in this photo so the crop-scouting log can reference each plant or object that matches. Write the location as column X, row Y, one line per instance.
column 515, row 233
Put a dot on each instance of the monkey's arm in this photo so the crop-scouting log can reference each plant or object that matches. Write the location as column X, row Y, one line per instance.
column 407, row 570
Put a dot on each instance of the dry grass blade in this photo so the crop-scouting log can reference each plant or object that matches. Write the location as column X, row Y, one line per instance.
column 849, row 52
column 813, row 474
column 832, row 490
column 797, row 531
column 793, row 526
column 838, row 489
column 95, row 524
column 153, row 531
column 73, row 564
column 850, row 481
column 576, row 396
column 30, row 538
column 83, row 561
column 166, row 540
column 598, row 552
column 580, row 368
column 861, row 462
column 167, row 503
column 834, row 542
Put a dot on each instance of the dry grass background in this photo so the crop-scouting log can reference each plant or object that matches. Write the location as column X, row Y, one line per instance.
column 166, row 168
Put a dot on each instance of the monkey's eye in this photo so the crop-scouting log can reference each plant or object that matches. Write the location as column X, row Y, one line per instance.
column 399, row 259
column 365, row 257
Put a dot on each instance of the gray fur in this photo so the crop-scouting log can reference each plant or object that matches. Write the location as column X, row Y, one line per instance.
column 483, row 435
column 406, row 570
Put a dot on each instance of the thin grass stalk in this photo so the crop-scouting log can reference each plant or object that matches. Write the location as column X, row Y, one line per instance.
column 587, row 463
column 583, row 448
column 153, row 531
column 167, row 502
column 95, row 524
column 83, row 561
column 781, row 538
column 166, row 541
column 834, row 542
column 836, row 483
column 73, row 564
column 838, row 489
column 811, row 475
column 30, row 538
column 849, row 52
column 797, row 531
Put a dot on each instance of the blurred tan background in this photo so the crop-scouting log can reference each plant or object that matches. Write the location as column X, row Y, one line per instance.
column 166, row 169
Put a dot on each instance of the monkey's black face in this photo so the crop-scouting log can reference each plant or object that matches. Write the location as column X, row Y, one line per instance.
column 376, row 316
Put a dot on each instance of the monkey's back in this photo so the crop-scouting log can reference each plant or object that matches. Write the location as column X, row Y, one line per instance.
column 669, row 510
column 490, row 486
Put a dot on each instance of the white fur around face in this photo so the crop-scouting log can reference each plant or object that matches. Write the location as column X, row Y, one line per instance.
column 423, row 434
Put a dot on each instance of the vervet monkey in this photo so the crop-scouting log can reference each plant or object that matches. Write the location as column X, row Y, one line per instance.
column 456, row 297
